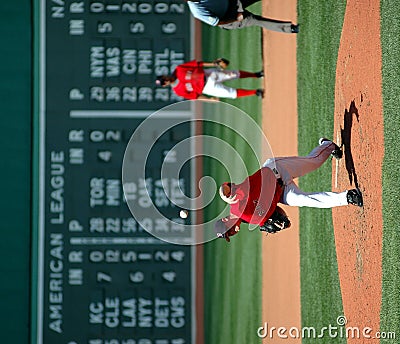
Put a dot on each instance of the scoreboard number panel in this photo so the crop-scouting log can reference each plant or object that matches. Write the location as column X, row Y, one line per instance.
column 102, row 277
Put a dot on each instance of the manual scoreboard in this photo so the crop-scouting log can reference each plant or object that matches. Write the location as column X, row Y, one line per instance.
column 102, row 277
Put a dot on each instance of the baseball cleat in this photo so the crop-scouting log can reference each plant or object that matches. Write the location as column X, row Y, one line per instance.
column 294, row 28
column 354, row 197
column 336, row 152
column 259, row 74
column 260, row 93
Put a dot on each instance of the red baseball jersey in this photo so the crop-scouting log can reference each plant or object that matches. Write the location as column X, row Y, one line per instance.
column 191, row 79
column 258, row 196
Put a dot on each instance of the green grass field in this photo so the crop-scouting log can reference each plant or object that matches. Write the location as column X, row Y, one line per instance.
column 321, row 301
column 317, row 52
column 232, row 277
column 232, row 315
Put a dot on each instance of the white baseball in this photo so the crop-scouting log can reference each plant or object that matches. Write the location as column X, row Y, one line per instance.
column 183, row 214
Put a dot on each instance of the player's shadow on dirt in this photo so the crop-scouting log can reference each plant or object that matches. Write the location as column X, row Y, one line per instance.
column 346, row 141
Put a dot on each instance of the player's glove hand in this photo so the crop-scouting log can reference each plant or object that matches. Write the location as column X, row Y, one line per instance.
column 278, row 221
column 221, row 63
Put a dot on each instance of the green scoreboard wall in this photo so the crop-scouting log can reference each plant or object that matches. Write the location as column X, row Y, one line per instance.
column 16, row 151
column 78, row 80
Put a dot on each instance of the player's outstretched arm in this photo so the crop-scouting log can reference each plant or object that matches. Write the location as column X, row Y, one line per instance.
column 220, row 62
column 208, row 64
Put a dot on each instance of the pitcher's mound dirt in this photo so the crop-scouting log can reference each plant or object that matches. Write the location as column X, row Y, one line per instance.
column 359, row 125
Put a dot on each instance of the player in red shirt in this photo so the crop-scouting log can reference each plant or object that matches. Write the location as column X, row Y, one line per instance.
column 201, row 80
column 256, row 198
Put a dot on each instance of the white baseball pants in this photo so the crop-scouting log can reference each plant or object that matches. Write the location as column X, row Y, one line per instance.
column 294, row 167
column 214, row 83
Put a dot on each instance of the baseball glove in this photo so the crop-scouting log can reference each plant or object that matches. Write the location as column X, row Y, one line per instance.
column 278, row 221
column 221, row 63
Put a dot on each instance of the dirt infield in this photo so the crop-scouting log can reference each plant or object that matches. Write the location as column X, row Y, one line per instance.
column 281, row 291
column 359, row 122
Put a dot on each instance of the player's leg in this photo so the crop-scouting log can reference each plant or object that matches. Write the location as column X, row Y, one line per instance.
column 222, row 91
column 215, row 88
column 222, row 75
column 243, row 74
column 226, row 75
column 251, row 19
column 293, row 196
column 297, row 166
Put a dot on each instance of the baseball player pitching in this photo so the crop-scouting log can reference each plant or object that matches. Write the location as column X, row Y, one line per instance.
column 232, row 14
column 204, row 80
column 255, row 199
